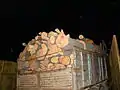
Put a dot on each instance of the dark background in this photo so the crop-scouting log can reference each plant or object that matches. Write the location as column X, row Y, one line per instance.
column 22, row 21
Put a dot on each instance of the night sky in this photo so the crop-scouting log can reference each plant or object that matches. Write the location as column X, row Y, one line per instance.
column 21, row 22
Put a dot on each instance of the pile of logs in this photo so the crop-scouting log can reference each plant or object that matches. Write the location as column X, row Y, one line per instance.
column 51, row 51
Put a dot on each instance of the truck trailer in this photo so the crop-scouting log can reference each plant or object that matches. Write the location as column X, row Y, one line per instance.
column 55, row 61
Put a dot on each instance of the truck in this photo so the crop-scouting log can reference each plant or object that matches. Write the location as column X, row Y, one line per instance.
column 55, row 61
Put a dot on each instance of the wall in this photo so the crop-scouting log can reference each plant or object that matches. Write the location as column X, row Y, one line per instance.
column 7, row 75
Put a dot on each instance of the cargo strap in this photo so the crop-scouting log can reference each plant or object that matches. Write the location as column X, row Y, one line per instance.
column 90, row 86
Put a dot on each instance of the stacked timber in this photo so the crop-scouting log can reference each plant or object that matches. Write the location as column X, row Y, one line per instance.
column 51, row 50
